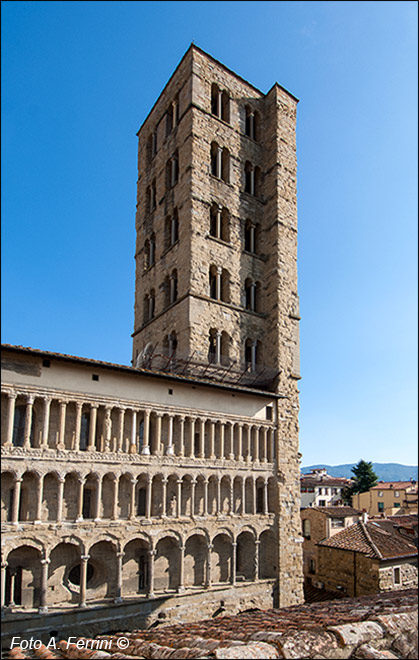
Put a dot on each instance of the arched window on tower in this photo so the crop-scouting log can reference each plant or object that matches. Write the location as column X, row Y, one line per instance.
column 252, row 123
column 172, row 171
column 251, row 354
column 252, row 295
column 219, row 283
column 220, row 222
column 220, row 103
column 172, row 229
column 251, row 237
column 220, row 162
column 150, row 251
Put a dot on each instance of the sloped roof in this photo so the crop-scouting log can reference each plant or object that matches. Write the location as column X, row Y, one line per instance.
column 371, row 540
column 336, row 511
column 392, row 485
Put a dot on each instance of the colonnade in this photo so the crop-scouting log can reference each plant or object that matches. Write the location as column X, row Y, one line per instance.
column 92, row 426
column 72, row 497
column 110, row 569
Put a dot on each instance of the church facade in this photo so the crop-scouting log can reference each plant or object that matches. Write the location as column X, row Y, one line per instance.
column 170, row 488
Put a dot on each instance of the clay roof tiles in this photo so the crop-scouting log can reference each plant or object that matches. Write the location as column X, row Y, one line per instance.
column 371, row 540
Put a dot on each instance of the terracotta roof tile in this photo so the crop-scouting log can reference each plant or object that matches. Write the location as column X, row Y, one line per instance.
column 371, row 540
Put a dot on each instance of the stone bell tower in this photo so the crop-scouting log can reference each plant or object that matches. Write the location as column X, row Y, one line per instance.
column 216, row 252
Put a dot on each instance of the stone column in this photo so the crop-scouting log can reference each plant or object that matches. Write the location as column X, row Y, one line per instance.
column 83, row 580
column 252, row 180
column 169, row 449
column 172, row 292
column 264, row 444
column 240, row 442
column 164, row 496
column 254, row 496
column 272, row 443
column 118, row 594
column 252, row 238
column 12, row 588
column 246, row 449
column 218, row 283
column 38, row 512
column 218, row 221
column 28, row 422
column 132, row 511
column 92, row 426
column 158, row 434
column 146, row 440
column 81, row 481
column 219, row 162
column 173, row 230
column 3, row 583
column 181, row 435
column 253, row 297
column 107, row 428
column 115, row 498
column 149, row 496
column 233, row 563
column 231, row 501
column 98, row 499
column 179, row 498
column 10, row 418
column 220, row 105
column 45, row 426
column 265, row 497
column 231, row 442
column 257, row 547
column 193, row 485
column 218, row 503
column 201, row 447
column 61, row 434
column 133, row 443
column 243, row 507
column 121, row 429
column 222, row 436
column 208, row 580
column 218, row 347
column 16, row 501
column 77, row 431
column 60, row 498
column 253, row 355
column 256, row 444
column 205, row 497
column 212, row 439
column 192, row 437
column 151, row 555
column 43, row 608
column 181, row 586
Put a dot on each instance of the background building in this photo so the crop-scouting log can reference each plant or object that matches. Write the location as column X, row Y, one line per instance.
column 320, row 489
column 389, row 498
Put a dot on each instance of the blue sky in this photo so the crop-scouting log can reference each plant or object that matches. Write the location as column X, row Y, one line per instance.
column 78, row 79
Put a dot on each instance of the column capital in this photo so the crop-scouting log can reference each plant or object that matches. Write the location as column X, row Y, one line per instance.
column 30, row 398
column 120, row 555
column 210, row 546
column 4, row 564
column 12, row 395
column 94, row 405
column 234, row 544
column 18, row 480
column 45, row 562
column 85, row 558
column 152, row 553
column 81, row 480
column 134, row 480
column 61, row 479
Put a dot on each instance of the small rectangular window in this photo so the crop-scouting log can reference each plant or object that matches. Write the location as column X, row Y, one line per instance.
column 396, row 575
column 381, row 506
column 269, row 412
column 46, row 363
column 170, row 391
column 95, row 377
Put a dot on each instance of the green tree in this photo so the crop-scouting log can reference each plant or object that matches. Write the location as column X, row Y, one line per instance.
column 364, row 479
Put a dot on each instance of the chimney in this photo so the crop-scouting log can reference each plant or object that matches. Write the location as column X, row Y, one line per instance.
column 364, row 516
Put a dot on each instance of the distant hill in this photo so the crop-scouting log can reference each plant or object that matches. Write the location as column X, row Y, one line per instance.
column 384, row 471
